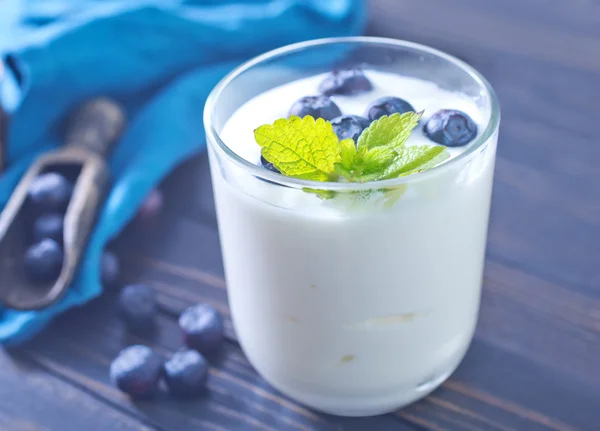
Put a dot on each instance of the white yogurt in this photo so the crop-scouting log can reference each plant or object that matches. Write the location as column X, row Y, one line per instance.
column 355, row 305
column 275, row 103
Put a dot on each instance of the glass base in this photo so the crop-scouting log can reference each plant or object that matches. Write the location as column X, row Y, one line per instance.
column 373, row 405
column 362, row 407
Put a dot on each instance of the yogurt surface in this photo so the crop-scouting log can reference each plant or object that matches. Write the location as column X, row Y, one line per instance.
column 238, row 133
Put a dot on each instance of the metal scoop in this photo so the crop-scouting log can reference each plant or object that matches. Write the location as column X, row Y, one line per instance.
column 90, row 134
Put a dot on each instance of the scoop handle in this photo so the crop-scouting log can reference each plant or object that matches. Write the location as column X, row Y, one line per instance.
column 95, row 125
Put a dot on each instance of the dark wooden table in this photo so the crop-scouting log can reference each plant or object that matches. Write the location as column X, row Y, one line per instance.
column 535, row 361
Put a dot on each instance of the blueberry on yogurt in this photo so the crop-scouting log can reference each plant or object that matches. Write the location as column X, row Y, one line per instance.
column 451, row 128
column 315, row 106
column 349, row 126
column 387, row 106
column 268, row 165
column 345, row 82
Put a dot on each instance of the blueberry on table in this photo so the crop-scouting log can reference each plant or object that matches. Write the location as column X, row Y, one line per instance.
column 186, row 373
column 315, row 106
column 349, row 126
column 43, row 261
column 268, row 165
column 109, row 269
column 202, row 328
column 451, row 128
column 50, row 192
column 136, row 371
column 152, row 205
column 48, row 225
column 387, row 106
column 137, row 307
column 346, row 82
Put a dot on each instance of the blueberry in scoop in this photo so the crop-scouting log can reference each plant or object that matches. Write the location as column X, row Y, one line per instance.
column 137, row 307
column 49, row 225
column 345, row 82
column 349, row 126
column 49, row 192
column 109, row 269
column 387, row 106
column 315, row 106
column 451, row 128
column 136, row 371
column 202, row 328
column 43, row 261
column 186, row 374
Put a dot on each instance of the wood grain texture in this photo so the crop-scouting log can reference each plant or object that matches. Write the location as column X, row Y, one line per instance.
column 533, row 323
column 31, row 399
column 535, row 361
column 496, row 387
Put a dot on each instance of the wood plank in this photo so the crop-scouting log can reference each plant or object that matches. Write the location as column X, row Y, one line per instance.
column 567, row 34
column 518, row 309
column 81, row 345
column 33, row 400
column 199, row 205
column 235, row 387
column 535, row 327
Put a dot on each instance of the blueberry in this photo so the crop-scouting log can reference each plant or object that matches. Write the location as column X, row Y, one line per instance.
column 152, row 206
column 451, row 128
column 48, row 225
column 268, row 165
column 136, row 371
column 186, row 373
column 137, row 307
column 349, row 126
column 387, row 106
column 109, row 269
column 315, row 106
column 202, row 328
column 43, row 261
column 50, row 192
column 345, row 81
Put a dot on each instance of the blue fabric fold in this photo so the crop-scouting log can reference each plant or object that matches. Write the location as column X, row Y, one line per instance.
column 160, row 59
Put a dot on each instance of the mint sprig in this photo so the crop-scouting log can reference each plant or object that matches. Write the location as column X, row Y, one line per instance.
column 392, row 131
column 301, row 148
column 309, row 149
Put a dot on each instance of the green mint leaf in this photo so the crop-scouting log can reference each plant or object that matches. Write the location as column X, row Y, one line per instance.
column 378, row 159
column 393, row 130
column 348, row 152
column 438, row 158
column 302, row 148
column 414, row 159
column 352, row 164
column 342, row 172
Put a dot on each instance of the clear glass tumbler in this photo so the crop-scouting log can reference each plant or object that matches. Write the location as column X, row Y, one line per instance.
column 363, row 303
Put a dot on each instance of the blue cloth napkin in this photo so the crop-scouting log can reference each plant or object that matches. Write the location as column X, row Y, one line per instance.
column 160, row 59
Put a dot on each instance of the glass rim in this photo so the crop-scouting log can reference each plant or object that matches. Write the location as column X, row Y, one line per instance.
column 212, row 135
